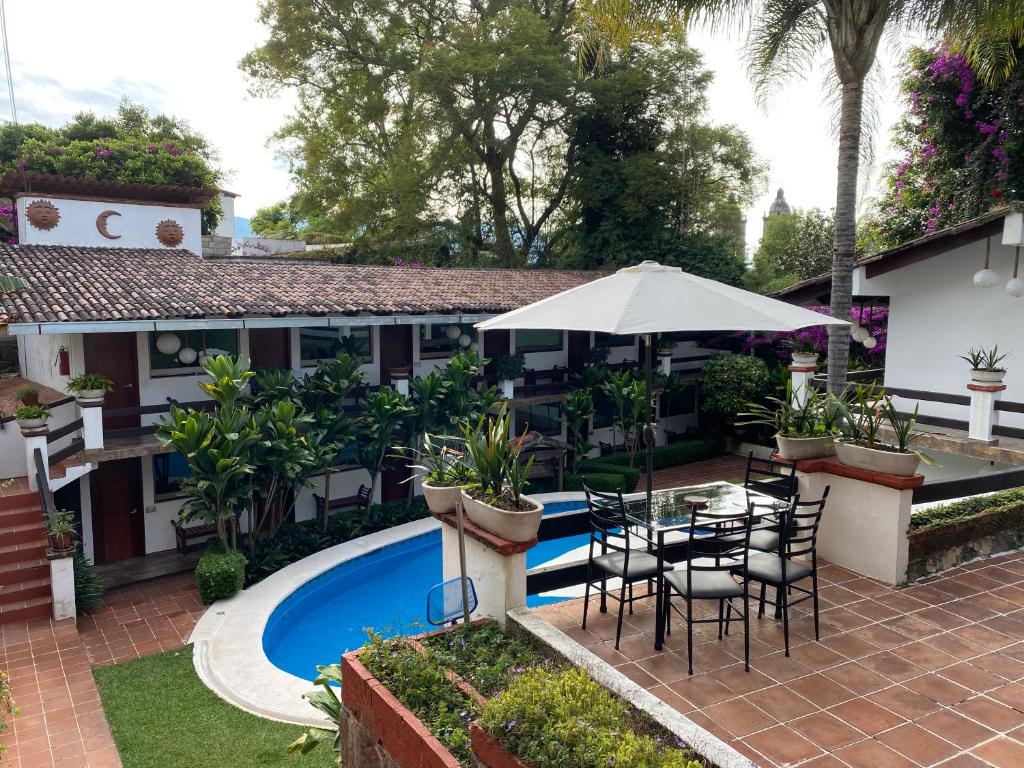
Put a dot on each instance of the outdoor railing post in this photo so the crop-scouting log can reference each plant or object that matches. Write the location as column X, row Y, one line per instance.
column 92, row 424
column 35, row 439
column 983, row 410
column 801, row 377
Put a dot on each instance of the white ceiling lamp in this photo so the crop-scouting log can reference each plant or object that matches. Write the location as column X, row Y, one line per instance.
column 870, row 342
column 986, row 277
column 168, row 343
column 465, row 340
column 187, row 356
column 453, row 332
column 1015, row 286
column 860, row 333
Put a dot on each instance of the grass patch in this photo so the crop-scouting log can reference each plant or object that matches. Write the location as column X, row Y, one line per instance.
column 1010, row 502
column 162, row 716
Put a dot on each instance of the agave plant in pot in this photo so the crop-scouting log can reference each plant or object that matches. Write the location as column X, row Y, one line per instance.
column 494, row 498
column 803, row 430
column 62, row 531
column 868, row 411
column 803, row 352
column 986, row 365
column 89, row 387
column 443, row 472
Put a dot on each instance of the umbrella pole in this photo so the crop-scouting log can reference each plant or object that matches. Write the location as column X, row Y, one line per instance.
column 649, row 418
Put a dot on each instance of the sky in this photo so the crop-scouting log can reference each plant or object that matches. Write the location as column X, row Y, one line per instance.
column 183, row 60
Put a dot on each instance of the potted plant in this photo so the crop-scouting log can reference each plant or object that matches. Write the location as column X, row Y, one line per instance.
column 62, row 531
column 27, row 394
column 803, row 352
column 89, row 387
column 665, row 347
column 985, row 364
column 805, row 431
column 31, row 416
column 509, row 368
column 860, row 447
column 494, row 497
column 443, row 473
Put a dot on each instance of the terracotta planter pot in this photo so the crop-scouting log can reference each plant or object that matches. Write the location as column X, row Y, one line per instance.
column 805, row 358
column 61, row 542
column 988, row 377
column 441, row 500
column 507, row 524
column 797, row 448
column 874, row 460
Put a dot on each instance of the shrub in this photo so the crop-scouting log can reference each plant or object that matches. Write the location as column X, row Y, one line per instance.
column 630, row 475
column 88, row 585
column 598, row 481
column 422, row 686
column 565, row 719
column 683, row 452
column 219, row 575
column 730, row 383
column 1005, row 501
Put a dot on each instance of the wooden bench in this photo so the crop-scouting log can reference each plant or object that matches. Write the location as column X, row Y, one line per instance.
column 184, row 534
column 360, row 499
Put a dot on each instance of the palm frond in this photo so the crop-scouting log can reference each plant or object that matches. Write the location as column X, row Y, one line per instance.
column 606, row 27
column 987, row 32
column 9, row 283
column 783, row 42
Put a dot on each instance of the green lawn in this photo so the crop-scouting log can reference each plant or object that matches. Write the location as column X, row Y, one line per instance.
column 162, row 716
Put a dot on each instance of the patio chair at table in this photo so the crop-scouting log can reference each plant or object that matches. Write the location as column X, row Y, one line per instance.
column 718, row 551
column 771, row 477
column 783, row 571
column 619, row 555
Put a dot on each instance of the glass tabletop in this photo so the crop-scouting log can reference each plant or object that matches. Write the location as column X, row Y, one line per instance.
column 669, row 512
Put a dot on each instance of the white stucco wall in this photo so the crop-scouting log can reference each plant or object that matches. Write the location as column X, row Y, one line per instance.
column 136, row 225
column 936, row 314
column 226, row 225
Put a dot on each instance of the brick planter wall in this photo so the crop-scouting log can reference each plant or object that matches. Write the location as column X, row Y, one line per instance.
column 487, row 753
column 946, row 546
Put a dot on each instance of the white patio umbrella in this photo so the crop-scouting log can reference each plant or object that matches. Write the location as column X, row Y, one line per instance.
column 652, row 298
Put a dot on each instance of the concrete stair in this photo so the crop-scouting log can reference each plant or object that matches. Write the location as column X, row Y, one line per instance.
column 24, row 570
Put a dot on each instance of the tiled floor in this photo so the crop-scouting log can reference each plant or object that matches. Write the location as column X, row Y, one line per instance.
column 62, row 721
column 728, row 467
column 924, row 676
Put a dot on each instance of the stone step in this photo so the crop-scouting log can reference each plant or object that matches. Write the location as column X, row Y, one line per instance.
column 13, row 500
column 24, row 570
column 21, row 552
column 23, row 533
column 25, row 610
column 20, row 515
column 25, row 590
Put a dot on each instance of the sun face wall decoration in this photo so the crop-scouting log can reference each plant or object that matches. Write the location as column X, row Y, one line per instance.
column 170, row 233
column 42, row 214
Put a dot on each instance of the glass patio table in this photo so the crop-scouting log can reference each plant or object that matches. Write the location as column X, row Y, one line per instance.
column 670, row 513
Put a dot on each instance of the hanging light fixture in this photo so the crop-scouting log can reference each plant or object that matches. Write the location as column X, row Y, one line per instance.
column 986, row 277
column 1015, row 286
column 453, row 332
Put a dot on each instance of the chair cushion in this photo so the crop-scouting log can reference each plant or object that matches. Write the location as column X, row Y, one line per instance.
column 641, row 564
column 706, row 584
column 763, row 540
column 768, row 568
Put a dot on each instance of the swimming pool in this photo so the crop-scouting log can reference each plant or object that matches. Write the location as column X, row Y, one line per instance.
column 385, row 589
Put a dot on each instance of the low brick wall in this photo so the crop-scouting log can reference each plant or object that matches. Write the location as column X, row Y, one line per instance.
column 941, row 547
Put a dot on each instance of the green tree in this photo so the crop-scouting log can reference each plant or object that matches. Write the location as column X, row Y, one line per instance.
column 794, row 247
column 277, row 221
column 787, row 37
column 383, row 414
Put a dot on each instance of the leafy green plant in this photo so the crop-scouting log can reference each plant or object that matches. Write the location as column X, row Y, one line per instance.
column 862, row 414
column 88, row 585
column 219, row 575
column 283, row 462
column 384, row 411
column 86, row 381
column 498, row 478
column 730, row 383
column 683, row 452
column 7, row 707
column 1007, row 504
column 566, row 720
column 28, row 394
column 801, row 346
column 628, row 396
column 817, row 416
column 272, row 384
column 32, row 412
column 509, row 367
column 439, row 461
column 981, row 359
column 325, row 701
column 62, row 522
column 463, row 402
column 579, row 410
column 665, row 346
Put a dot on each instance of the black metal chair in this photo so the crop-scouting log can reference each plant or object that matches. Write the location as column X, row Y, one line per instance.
column 618, row 554
column 771, row 477
column 718, row 551
column 781, row 570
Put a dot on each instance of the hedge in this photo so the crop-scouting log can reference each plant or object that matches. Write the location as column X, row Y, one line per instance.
column 219, row 575
column 598, row 481
column 683, row 452
column 943, row 514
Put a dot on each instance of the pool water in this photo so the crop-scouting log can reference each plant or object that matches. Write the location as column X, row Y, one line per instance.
column 385, row 589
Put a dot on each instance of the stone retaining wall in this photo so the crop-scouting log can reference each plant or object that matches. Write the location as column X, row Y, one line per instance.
column 936, row 549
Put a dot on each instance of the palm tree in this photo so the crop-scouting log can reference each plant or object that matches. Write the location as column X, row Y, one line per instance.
column 788, row 35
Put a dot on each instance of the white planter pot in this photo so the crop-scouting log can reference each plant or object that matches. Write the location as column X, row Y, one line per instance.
column 805, row 359
column 874, row 460
column 31, row 424
column 90, row 395
column 506, row 524
column 799, row 448
column 441, row 499
column 987, row 377
column 508, row 388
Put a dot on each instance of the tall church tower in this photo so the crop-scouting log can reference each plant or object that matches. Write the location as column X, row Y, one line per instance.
column 778, row 207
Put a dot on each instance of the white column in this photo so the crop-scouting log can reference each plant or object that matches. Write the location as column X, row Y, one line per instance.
column 402, row 386
column 499, row 579
column 62, row 584
column 983, row 410
column 666, row 365
column 92, row 425
column 508, row 387
column 36, row 438
column 801, row 377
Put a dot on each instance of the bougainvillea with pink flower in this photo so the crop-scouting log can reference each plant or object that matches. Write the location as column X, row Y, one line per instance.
column 961, row 145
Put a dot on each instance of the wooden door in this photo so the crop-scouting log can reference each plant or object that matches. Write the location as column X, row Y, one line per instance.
column 497, row 343
column 395, row 349
column 114, row 355
column 118, row 525
column 270, row 348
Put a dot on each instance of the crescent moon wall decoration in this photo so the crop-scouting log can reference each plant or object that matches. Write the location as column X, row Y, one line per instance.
column 101, row 224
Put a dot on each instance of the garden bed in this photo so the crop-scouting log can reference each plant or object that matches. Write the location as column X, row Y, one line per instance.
column 421, row 703
column 949, row 534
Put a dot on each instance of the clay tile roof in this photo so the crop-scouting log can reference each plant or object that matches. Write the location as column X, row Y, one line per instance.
column 76, row 284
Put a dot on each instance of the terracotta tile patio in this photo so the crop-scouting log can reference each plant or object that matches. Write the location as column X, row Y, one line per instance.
column 729, row 467
column 930, row 675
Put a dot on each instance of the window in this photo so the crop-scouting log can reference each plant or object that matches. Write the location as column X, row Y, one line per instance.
column 169, row 469
column 435, row 341
column 682, row 403
column 545, row 418
column 614, row 340
column 316, row 344
column 538, row 341
column 189, row 348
